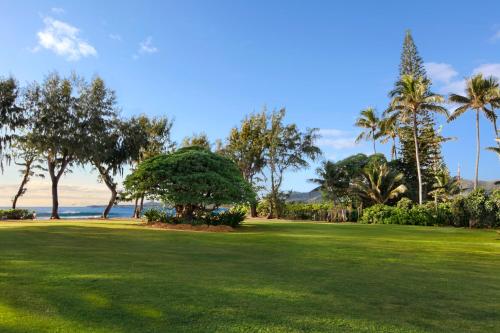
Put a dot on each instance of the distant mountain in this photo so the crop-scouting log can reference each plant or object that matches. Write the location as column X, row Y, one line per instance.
column 315, row 195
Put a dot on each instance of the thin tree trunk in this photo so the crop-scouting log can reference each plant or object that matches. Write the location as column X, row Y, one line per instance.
column 111, row 202
column 20, row 191
column 478, row 149
column 55, row 177
column 374, row 146
column 394, row 153
column 112, row 187
column 141, row 205
column 134, row 214
column 417, row 158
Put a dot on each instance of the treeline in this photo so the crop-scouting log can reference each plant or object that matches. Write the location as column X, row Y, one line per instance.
column 49, row 127
column 63, row 122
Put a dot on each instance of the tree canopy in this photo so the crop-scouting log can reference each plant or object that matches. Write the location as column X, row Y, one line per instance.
column 191, row 179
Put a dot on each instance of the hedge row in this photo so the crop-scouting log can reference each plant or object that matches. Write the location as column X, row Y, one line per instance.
column 16, row 214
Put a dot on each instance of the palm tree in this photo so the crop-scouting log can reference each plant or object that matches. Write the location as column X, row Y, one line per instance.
column 389, row 130
column 370, row 122
column 479, row 93
column 445, row 186
column 379, row 183
column 410, row 98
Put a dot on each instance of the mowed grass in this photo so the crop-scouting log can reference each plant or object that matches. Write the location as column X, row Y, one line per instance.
column 98, row 276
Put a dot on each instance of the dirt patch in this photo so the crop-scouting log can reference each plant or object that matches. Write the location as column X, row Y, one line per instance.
column 189, row 227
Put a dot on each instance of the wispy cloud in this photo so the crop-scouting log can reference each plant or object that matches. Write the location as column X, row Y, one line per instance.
column 146, row 46
column 336, row 139
column 115, row 37
column 57, row 10
column 63, row 39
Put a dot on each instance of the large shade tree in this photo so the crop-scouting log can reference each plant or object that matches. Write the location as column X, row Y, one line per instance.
column 58, row 126
column 192, row 179
column 288, row 149
column 479, row 93
column 410, row 98
column 246, row 146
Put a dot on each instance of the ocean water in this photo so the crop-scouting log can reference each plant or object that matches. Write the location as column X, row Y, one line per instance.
column 83, row 212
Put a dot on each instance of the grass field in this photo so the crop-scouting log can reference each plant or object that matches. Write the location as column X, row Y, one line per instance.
column 96, row 276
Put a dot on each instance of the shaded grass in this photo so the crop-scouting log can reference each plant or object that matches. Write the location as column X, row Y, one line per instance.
column 97, row 276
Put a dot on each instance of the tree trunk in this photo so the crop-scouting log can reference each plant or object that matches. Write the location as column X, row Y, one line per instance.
column 417, row 158
column 478, row 149
column 139, row 204
column 20, row 191
column 55, row 177
column 55, row 200
column 135, row 207
column 393, row 149
column 374, row 146
column 253, row 209
column 112, row 187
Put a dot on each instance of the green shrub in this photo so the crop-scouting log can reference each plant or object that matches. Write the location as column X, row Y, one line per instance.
column 405, row 203
column 153, row 215
column 16, row 214
column 377, row 214
column 481, row 211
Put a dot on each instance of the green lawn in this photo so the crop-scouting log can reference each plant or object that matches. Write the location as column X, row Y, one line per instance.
column 267, row 277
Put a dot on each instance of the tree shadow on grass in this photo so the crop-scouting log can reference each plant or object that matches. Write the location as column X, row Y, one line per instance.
column 75, row 278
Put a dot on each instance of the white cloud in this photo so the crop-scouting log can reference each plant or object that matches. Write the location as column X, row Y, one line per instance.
column 488, row 69
column 337, row 143
column 57, row 10
column 147, row 46
column 336, row 139
column 63, row 39
column 440, row 72
column 454, row 87
column 115, row 37
column 332, row 132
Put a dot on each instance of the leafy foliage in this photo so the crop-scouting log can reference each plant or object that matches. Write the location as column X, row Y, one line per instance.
column 12, row 115
column 379, row 184
column 16, row 214
column 191, row 179
column 370, row 123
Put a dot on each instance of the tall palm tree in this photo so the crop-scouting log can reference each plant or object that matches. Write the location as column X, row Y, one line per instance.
column 370, row 122
column 389, row 131
column 410, row 98
column 379, row 183
column 480, row 92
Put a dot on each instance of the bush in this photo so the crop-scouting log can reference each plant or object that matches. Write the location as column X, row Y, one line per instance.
column 481, row 210
column 16, row 214
column 378, row 214
column 232, row 218
column 478, row 209
column 153, row 215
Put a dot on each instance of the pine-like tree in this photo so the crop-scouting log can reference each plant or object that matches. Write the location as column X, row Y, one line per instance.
column 430, row 141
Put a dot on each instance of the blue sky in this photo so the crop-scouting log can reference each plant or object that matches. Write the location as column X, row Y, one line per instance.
column 208, row 63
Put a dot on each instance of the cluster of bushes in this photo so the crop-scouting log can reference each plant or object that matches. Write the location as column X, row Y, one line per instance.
column 311, row 211
column 16, row 214
column 477, row 209
column 232, row 217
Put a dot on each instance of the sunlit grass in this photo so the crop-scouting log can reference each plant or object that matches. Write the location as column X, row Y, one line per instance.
column 116, row 276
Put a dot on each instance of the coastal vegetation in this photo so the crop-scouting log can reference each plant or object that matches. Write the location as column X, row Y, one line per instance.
column 51, row 127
